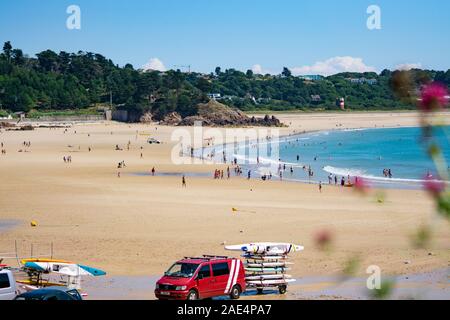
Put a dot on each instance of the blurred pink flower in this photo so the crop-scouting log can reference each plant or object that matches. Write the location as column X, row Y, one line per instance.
column 361, row 185
column 434, row 96
column 433, row 186
column 323, row 239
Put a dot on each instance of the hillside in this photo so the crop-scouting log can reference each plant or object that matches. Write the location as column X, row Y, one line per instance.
column 71, row 81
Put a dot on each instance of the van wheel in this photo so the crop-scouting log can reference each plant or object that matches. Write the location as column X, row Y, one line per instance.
column 192, row 295
column 282, row 289
column 235, row 292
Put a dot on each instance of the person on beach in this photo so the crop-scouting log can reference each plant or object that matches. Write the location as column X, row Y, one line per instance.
column 183, row 181
column 118, row 174
column 153, row 171
column 249, row 175
column 281, row 175
column 343, row 182
column 228, row 173
column 320, row 186
column 330, row 178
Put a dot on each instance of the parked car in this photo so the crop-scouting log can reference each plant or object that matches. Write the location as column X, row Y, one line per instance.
column 8, row 288
column 153, row 141
column 51, row 293
column 203, row 277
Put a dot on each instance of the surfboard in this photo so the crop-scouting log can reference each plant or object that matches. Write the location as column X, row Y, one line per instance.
column 266, row 264
column 264, row 258
column 68, row 269
column 270, row 282
column 268, row 277
column 270, row 248
column 24, row 261
column 267, row 270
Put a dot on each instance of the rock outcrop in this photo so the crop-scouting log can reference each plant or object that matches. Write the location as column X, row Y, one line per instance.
column 146, row 118
column 172, row 119
column 217, row 114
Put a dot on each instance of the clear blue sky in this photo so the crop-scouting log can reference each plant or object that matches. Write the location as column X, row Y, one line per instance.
column 236, row 33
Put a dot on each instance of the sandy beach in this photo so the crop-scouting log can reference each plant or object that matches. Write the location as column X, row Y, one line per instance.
column 138, row 224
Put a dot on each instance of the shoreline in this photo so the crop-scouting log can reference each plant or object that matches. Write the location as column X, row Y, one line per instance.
column 382, row 183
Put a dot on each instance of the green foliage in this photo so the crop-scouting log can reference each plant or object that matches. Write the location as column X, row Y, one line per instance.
column 77, row 112
column 422, row 238
column 384, row 292
column 71, row 81
column 444, row 205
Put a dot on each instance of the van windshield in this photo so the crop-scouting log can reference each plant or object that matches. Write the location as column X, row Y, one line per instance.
column 182, row 270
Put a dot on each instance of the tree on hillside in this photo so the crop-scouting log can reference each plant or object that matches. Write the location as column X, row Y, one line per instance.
column 286, row 72
column 7, row 47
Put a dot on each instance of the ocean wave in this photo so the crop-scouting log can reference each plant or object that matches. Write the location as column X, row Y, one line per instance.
column 267, row 161
column 362, row 174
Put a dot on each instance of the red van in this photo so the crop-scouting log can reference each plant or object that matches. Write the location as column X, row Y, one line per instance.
column 200, row 278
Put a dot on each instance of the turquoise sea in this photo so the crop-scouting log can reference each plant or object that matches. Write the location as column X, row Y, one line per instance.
column 359, row 153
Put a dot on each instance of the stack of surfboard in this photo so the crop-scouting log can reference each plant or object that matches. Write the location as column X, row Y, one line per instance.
column 54, row 269
column 266, row 263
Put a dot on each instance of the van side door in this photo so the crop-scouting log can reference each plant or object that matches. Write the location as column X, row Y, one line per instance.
column 204, row 281
column 221, row 274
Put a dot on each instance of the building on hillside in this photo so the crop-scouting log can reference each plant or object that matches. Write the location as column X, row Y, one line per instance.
column 316, row 98
column 363, row 80
column 340, row 102
column 214, row 96
column 21, row 115
column 311, row 77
